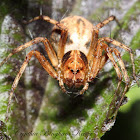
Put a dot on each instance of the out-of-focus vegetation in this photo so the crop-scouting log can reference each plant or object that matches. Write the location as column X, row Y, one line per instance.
column 39, row 109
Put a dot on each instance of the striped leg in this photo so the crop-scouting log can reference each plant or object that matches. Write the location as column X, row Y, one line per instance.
column 106, row 21
column 116, row 43
column 61, row 47
column 126, row 77
column 119, row 74
column 49, row 49
column 45, row 64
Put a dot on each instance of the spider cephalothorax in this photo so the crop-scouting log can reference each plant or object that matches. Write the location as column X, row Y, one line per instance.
column 78, row 55
column 75, row 68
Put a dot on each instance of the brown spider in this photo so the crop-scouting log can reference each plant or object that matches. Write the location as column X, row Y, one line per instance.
column 79, row 55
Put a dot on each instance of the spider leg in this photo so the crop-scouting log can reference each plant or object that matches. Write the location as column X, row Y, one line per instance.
column 104, row 59
column 52, row 21
column 119, row 74
column 93, row 46
column 61, row 84
column 46, row 65
column 110, row 56
column 84, row 88
column 97, row 63
column 118, row 55
column 45, row 18
column 91, row 76
column 116, row 43
column 106, row 21
column 62, row 42
column 49, row 49
column 94, row 40
column 92, row 49
column 100, row 60
column 60, row 54
column 97, row 58
column 126, row 77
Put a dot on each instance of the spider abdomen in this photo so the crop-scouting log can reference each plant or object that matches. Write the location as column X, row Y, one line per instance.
column 79, row 34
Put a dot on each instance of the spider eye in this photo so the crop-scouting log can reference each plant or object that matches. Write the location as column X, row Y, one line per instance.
column 72, row 70
column 77, row 71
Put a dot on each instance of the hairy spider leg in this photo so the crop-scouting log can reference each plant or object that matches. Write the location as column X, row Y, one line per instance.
column 95, row 67
column 127, row 81
column 63, row 37
column 126, row 77
column 119, row 74
column 103, row 59
column 45, row 64
column 45, row 18
column 96, row 64
column 116, row 52
column 60, row 55
column 84, row 88
column 51, row 53
column 60, row 26
column 116, row 43
column 48, row 19
column 121, row 63
column 61, row 46
column 93, row 46
column 99, row 61
column 106, row 21
column 95, row 34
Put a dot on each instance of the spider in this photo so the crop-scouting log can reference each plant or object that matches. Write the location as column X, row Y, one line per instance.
column 78, row 56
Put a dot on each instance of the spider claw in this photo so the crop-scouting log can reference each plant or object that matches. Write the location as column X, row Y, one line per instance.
column 68, row 93
column 77, row 95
